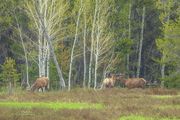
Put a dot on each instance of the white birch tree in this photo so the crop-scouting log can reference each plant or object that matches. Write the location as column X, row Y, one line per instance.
column 25, row 55
column 84, row 50
column 141, row 42
column 102, row 41
column 47, row 16
column 73, row 47
column 129, row 36
column 92, row 43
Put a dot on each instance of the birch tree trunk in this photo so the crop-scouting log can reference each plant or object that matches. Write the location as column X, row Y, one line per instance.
column 72, row 51
column 25, row 55
column 47, row 69
column 141, row 43
column 129, row 36
column 97, row 50
column 92, row 44
column 84, row 51
column 162, row 74
column 40, row 40
column 62, row 83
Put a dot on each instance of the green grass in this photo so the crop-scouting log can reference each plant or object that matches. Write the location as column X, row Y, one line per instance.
column 51, row 105
column 139, row 117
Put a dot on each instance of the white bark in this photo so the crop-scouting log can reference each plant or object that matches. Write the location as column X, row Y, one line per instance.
column 141, row 43
column 84, row 51
column 47, row 69
column 92, row 44
column 72, row 51
column 47, row 16
column 162, row 71
column 129, row 36
column 49, row 41
column 162, row 74
column 97, row 49
column 62, row 83
column 102, row 43
column 25, row 55
column 40, row 55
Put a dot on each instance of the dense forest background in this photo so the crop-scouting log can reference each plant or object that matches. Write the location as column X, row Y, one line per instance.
column 77, row 42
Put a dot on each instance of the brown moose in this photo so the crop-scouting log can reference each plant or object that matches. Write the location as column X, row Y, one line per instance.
column 134, row 82
column 40, row 83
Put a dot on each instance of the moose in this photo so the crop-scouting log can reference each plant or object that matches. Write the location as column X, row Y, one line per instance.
column 134, row 83
column 110, row 80
column 129, row 83
column 40, row 83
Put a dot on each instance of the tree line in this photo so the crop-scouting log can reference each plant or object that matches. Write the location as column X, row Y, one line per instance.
column 75, row 43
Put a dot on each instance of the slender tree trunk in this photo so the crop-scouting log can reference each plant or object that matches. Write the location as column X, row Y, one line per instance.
column 162, row 71
column 62, row 83
column 47, row 69
column 162, row 74
column 40, row 51
column 141, row 43
column 96, row 67
column 92, row 45
column 84, row 51
column 129, row 36
column 72, row 51
column 97, row 50
column 164, row 56
column 25, row 55
column 95, row 72
column 26, row 59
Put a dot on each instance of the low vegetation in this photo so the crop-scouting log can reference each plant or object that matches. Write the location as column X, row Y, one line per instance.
column 138, row 117
column 87, row 104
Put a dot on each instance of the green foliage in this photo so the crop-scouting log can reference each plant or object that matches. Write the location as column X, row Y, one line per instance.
column 53, row 76
column 123, row 46
column 165, row 46
column 9, row 72
column 169, row 44
column 33, row 71
column 172, row 81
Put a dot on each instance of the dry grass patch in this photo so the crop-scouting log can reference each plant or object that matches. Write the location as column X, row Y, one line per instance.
column 161, row 91
column 117, row 103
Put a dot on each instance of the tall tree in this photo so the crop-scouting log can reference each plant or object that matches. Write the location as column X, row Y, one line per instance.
column 47, row 19
column 141, row 43
column 73, row 47
column 92, row 42
column 167, row 42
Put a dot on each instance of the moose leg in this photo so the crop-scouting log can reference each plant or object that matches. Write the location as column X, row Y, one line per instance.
column 42, row 88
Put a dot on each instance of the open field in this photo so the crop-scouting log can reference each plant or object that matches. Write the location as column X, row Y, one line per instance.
column 80, row 104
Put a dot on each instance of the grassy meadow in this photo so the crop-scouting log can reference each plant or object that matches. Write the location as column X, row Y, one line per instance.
column 86, row 104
